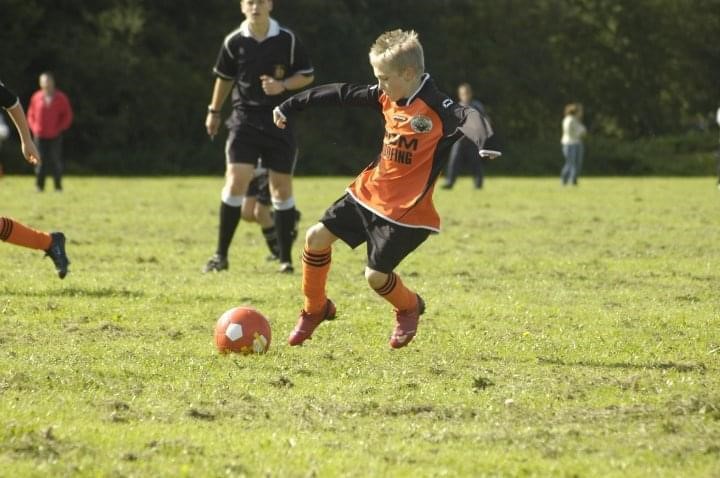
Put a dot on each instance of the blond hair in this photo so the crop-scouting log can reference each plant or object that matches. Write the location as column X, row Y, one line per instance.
column 399, row 49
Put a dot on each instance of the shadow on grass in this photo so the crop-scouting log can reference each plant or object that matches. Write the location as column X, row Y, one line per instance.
column 679, row 367
column 104, row 292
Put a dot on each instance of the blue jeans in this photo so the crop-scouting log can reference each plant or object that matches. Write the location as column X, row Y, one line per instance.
column 573, row 162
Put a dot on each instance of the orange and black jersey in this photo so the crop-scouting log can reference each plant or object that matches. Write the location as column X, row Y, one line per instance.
column 7, row 97
column 419, row 131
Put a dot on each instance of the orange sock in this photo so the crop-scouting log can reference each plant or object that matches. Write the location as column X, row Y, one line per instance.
column 395, row 292
column 20, row 235
column 316, row 265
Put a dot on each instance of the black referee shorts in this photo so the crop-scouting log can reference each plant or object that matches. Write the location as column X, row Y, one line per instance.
column 259, row 188
column 246, row 144
column 387, row 243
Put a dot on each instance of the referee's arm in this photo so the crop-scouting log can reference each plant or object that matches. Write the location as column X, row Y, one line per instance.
column 298, row 81
column 221, row 90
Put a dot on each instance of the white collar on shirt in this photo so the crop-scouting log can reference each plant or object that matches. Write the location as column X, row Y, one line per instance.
column 423, row 78
column 273, row 29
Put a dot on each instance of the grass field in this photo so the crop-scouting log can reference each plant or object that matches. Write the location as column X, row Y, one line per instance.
column 569, row 332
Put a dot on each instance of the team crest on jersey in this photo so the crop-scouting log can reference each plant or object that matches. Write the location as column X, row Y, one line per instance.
column 421, row 124
column 279, row 72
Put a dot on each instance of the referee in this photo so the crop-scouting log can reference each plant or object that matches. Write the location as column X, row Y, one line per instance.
column 259, row 63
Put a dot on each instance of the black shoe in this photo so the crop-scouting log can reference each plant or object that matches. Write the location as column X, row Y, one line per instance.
column 216, row 263
column 447, row 186
column 286, row 268
column 56, row 252
column 272, row 257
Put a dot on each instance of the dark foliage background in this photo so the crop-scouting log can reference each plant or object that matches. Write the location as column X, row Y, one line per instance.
column 138, row 73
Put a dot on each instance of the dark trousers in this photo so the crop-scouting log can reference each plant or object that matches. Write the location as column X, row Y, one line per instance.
column 463, row 151
column 51, row 154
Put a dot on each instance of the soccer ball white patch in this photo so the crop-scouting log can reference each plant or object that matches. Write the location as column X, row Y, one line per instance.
column 234, row 332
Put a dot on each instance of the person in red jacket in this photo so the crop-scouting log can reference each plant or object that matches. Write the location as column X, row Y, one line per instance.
column 49, row 115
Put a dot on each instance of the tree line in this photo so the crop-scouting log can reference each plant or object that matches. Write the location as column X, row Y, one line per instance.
column 139, row 71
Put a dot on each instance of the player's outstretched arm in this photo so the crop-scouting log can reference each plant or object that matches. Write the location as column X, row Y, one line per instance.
column 28, row 147
column 476, row 127
column 333, row 94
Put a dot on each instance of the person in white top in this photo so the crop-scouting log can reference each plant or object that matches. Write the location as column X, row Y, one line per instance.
column 573, row 131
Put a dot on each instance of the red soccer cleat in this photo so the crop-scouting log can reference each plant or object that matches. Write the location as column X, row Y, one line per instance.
column 307, row 323
column 407, row 322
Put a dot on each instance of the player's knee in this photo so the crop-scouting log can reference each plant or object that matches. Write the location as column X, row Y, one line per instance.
column 247, row 216
column 283, row 204
column 375, row 278
column 316, row 237
column 233, row 184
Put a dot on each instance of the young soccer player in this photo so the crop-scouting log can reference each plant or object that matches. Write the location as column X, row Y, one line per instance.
column 12, row 231
column 389, row 205
column 257, row 207
column 260, row 63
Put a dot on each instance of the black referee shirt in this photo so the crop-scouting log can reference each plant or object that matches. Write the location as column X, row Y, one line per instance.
column 243, row 59
column 7, row 97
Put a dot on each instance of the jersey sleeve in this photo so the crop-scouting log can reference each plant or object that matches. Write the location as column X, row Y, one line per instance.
column 8, row 99
column 300, row 60
column 226, row 65
column 333, row 94
column 471, row 123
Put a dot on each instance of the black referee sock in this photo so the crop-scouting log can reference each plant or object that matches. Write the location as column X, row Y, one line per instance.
column 229, row 219
column 271, row 239
column 285, row 224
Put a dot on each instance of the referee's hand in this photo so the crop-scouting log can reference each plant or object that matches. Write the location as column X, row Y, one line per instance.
column 271, row 86
column 212, row 124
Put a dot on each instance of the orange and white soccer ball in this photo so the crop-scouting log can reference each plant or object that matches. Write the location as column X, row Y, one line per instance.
column 242, row 330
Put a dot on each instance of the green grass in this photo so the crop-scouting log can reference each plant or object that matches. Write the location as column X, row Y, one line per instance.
column 569, row 332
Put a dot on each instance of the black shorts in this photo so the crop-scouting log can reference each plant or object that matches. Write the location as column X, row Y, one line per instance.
column 246, row 144
column 387, row 243
column 259, row 188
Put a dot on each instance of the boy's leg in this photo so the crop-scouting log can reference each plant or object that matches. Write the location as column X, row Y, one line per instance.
column 391, row 288
column 16, row 233
column 388, row 245
column 53, row 244
column 316, row 265
column 284, row 216
column 264, row 217
column 247, row 211
column 237, row 178
column 241, row 156
column 343, row 220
